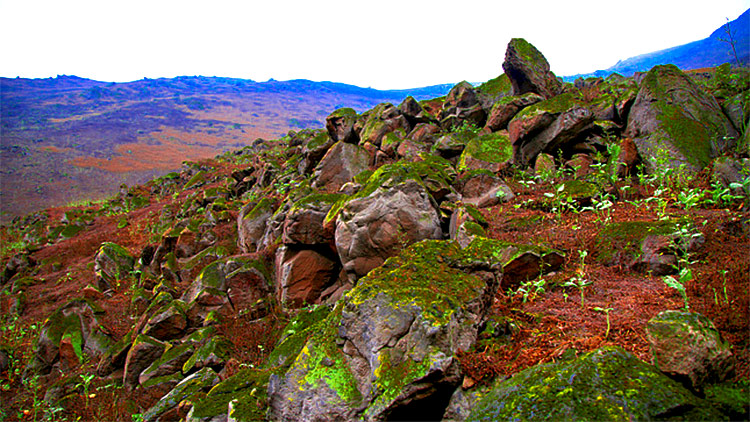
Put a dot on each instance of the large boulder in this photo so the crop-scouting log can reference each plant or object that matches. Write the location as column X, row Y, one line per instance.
column 251, row 224
column 74, row 327
column 339, row 166
column 313, row 146
column 674, row 122
column 484, row 189
column 381, row 120
column 373, row 228
column 340, row 125
column 506, row 108
column 529, row 70
column 492, row 152
column 388, row 350
column 688, row 347
column 302, row 275
column 112, row 264
column 305, row 221
column 462, row 106
column 547, row 126
column 605, row 384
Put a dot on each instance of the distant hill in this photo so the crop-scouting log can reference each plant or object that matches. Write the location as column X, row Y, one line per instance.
column 709, row 52
column 68, row 138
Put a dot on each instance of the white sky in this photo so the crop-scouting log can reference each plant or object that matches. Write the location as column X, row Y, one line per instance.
column 385, row 44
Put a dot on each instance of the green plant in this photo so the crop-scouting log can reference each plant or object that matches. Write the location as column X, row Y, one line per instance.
column 85, row 383
column 530, row 289
column 685, row 275
column 606, row 312
column 579, row 281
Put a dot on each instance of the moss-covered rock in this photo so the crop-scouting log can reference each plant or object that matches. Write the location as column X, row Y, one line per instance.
column 392, row 340
column 251, row 224
column 246, row 390
column 606, row 384
column 688, row 347
column 520, row 262
column 529, row 70
column 76, row 324
column 212, row 354
column 188, row 389
column 112, row 264
column 676, row 123
column 490, row 152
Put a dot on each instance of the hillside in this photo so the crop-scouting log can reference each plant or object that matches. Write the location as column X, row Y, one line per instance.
column 525, row 249
column 708, row 52
column 70, row 139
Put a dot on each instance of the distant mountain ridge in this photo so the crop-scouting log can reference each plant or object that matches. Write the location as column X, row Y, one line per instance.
column 69, row 138
column 708, row 52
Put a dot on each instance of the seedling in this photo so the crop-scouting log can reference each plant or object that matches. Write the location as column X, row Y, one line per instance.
column 685, row 275
column 606, row 312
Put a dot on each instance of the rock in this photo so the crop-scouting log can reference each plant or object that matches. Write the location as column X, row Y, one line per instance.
column 115, row 355
column 339, row 166
column 492, row 152
column 76, row 325
column 413, row 111
column 340, row 126
column 251, row 224
column 605, row 384
column 529, row 70
column 462, row 106
column 381, row 120
column 520, row 262
column 302, row 275
column 644, row 246
column 200, row 381
column 304, row 223
column 112, row 263
column 373, row 228
column 673, row 122
column 506, row 108
column 545, row 165
column 729, row 170
column 16, row 264
column 167, row 323
column 314, row 145
column 214, row 353
column 240, row 398
column 547, row 126
column 484, row 190
column 143, row 352
column 466, row 224
column 688, row 347
column 388, row 348
column 170, row 362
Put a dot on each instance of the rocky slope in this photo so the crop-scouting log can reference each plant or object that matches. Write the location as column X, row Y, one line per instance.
column 525, row 249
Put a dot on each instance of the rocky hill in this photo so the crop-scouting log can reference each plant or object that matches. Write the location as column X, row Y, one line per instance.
column 524, row 249
column 69, row 139
column 728, row 44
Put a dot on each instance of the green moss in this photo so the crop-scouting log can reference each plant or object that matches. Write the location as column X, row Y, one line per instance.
column 325, row 362
column 474, row 229
column 317, row 199
column 248, row 387
column 265, row 205
column 732, row 398
column 170, row 379
column 435, row 170
column 555, row 105
column 497, row 86
column 343, row 112
column 625, row 238
column 319, row 139
column 606, row 384
column 527, row 52
column 427, row 276
column 217, row 347
column 296, row 333
column 475, row 214
column 491, row 148
column 196, row 180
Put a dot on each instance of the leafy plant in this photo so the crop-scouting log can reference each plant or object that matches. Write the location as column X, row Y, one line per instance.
column 579, row 281
column 685, row 276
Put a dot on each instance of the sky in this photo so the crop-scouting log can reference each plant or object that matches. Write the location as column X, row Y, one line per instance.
column 384, row 44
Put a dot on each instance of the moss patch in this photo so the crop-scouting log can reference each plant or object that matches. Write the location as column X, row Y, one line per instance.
column 618, row 242
column 593, row 387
